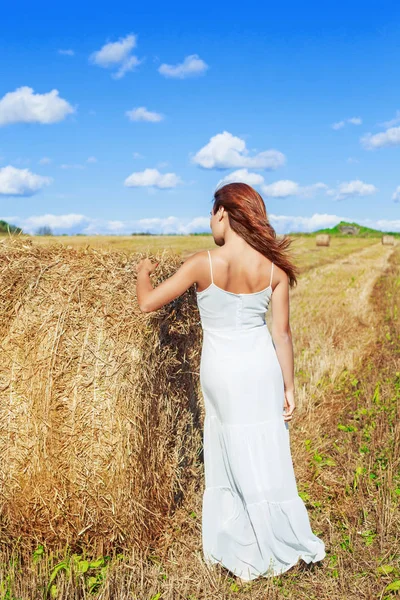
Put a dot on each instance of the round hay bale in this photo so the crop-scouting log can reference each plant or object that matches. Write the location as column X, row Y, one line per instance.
column 323, row 239
column 388, row 240
column 100, row 412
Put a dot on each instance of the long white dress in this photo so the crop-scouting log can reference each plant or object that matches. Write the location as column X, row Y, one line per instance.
column 253, row 520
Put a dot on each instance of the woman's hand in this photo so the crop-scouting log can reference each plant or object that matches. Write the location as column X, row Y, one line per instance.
column 288, row 405
column 146, row 266
column 151, row 299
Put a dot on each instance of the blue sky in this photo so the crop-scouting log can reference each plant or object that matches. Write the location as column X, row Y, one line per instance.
column 118, row 118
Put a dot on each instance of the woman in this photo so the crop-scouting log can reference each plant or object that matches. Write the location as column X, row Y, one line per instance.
column 253, row 520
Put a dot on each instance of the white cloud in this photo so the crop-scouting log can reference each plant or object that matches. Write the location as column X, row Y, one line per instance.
column 338, row 125
column 352, row 120
column 392, row 122
column 191, row 66
column 382, row 224
column 243, row 176
column 349, row 189
column 128, row 65
column 117, row 54
column 225, row 151
column 396, row 194
column 77, row 223
column 24, row 106
column 390, row 137
column 66, row 52
column 20, row 182
column 142, row 114
column 92, row 159
column 152, row 178
column 298, row 224
column 277, row 189
column 45, row 160
column 281, row 189
column 355, row 121
column 352, row 160
column 286, row 187
column 137, row 155
column 55, row 222
column 114, row 52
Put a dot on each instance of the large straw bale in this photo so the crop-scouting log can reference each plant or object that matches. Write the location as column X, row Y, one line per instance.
column 100, row 417
column 388, row 240
column 323, row 239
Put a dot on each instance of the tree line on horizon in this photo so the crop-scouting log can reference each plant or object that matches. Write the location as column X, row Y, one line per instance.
column 336, row 231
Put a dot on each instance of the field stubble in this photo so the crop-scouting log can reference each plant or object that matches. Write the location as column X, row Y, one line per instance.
column 345, row 445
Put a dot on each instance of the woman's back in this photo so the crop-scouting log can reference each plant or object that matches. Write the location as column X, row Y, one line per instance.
column 221, row 309
column 244, row 272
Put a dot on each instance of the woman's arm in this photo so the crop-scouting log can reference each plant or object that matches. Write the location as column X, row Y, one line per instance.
column 150, row 298
column 282, row 337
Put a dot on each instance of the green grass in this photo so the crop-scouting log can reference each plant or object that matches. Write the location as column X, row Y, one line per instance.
column 364, row 232
column 6, row 228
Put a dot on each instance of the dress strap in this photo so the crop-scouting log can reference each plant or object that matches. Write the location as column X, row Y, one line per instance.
column 209, row 257
column 272, row 270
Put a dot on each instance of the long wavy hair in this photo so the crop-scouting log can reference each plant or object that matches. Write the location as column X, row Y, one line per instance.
column 248, row 217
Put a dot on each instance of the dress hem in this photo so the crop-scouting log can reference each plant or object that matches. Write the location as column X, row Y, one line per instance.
column 275, row 573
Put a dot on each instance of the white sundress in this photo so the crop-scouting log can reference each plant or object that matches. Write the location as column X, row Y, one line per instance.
column 254, row 522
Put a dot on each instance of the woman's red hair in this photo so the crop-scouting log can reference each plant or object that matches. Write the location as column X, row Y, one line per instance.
column 248, row 218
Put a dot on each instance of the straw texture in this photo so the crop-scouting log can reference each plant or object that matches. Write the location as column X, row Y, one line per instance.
column 100, row 417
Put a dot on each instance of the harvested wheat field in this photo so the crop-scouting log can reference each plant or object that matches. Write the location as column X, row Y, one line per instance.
column 101, row 427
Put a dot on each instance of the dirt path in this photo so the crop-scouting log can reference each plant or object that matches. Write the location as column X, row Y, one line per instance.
column 332, row 318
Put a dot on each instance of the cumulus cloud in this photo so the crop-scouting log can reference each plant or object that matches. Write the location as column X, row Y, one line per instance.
column 298, row 224
column 192, row 66
column 45, row 160
column 66, row 52
column 354, row 188
column 281, row 189
column 21, row 182
column 243, row 176
column 24, row 106
column 142, row 114
column 117, row 54
column 226, row 151
column 286, row 187
column 61, row 223
column 114, row 52
column 396, row 194
column 277, row 189
column 152, row 178
column 390, row 137
column 128, row 65
column 351, row 120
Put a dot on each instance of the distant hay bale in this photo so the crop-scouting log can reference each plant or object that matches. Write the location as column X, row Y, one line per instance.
column 323, row 239
column 100, row 419
column 388, row 240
